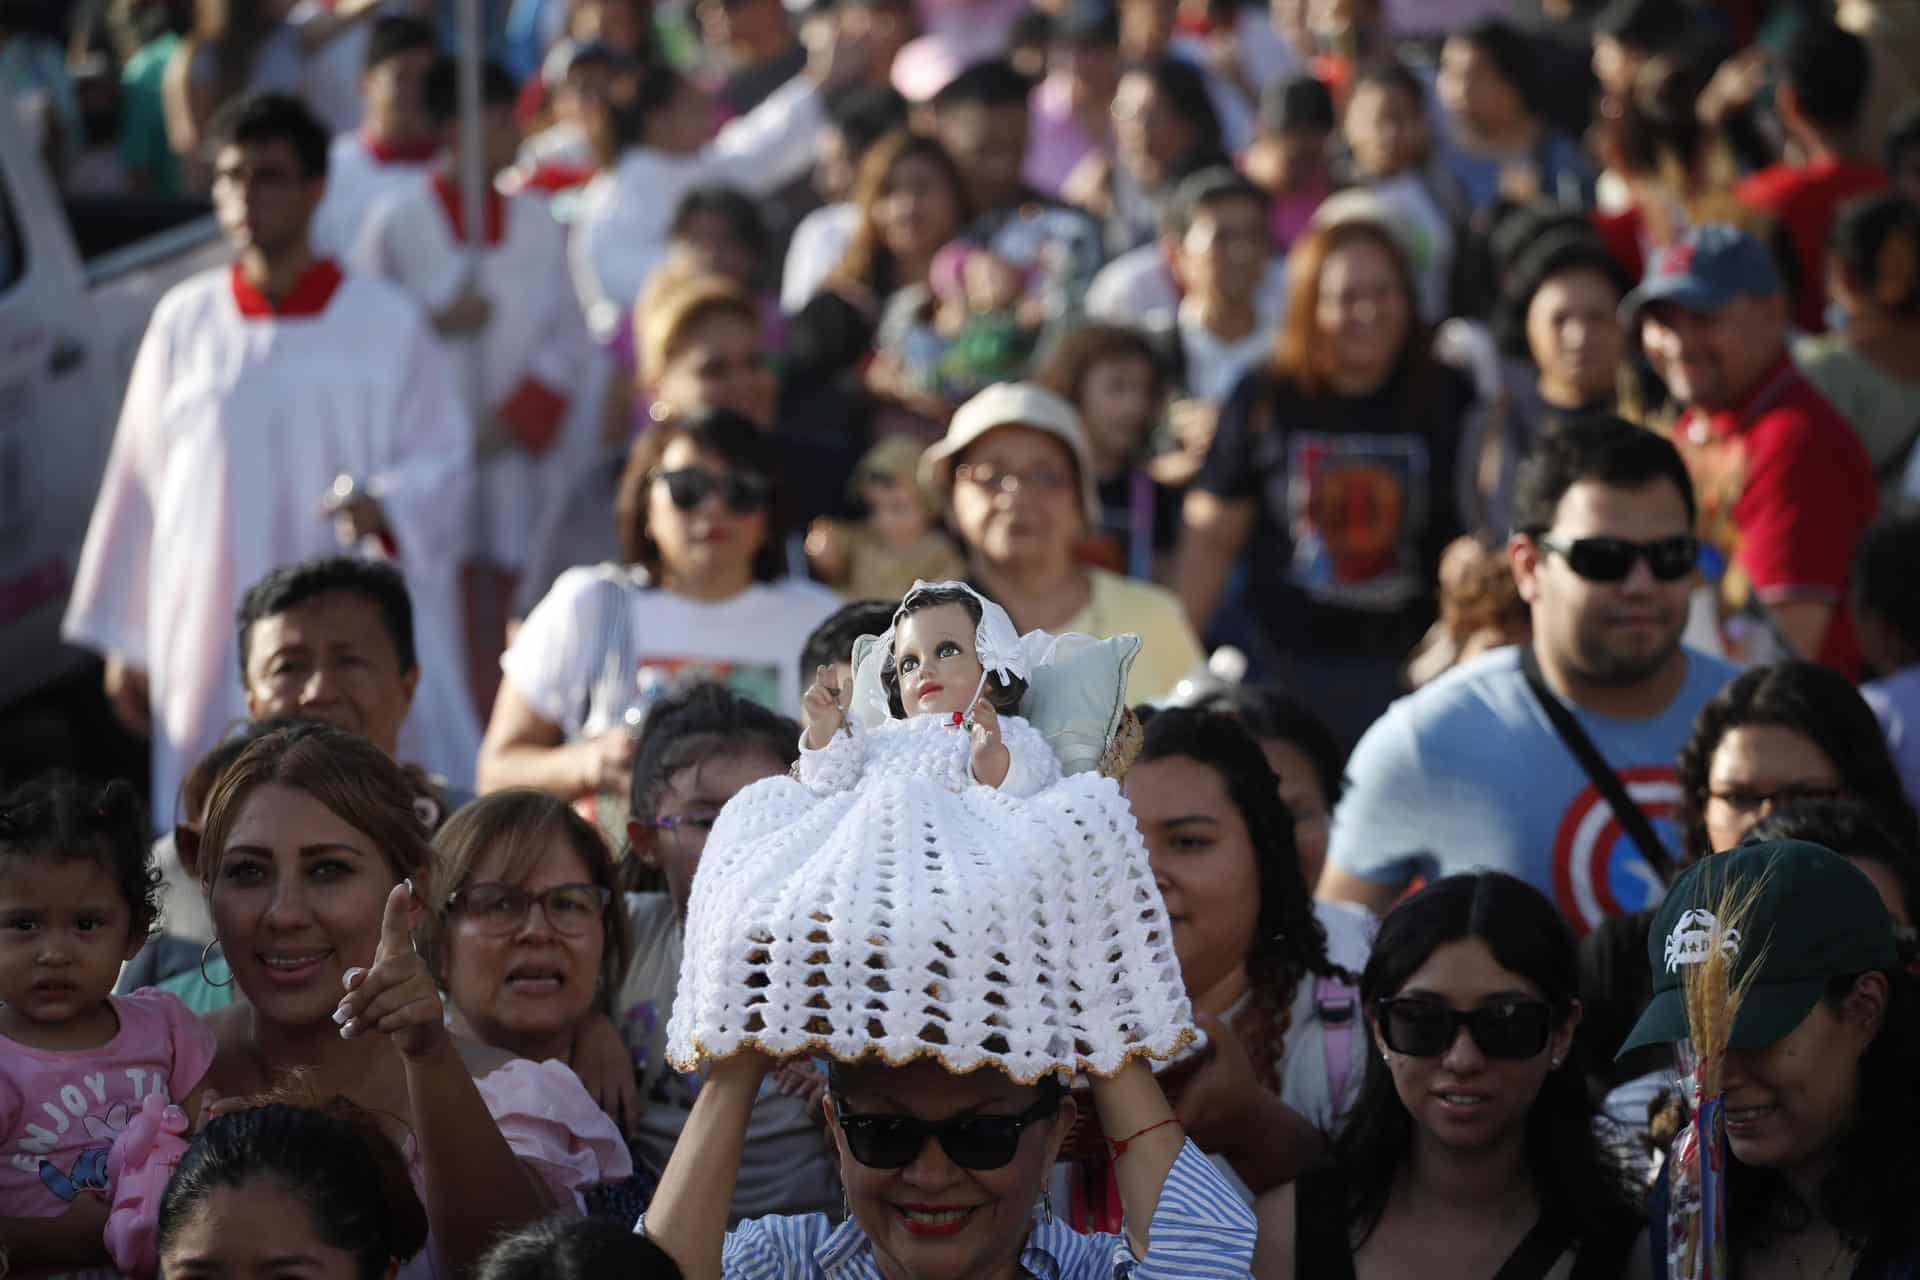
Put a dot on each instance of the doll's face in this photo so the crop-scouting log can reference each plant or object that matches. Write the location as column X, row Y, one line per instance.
column 935, row 658
column 896, row 513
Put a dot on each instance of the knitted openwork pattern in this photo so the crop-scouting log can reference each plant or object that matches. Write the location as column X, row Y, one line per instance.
column 911, row 914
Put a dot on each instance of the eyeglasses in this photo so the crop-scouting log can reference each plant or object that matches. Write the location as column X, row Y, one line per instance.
column 1042, row 480
column 694, row 824
column 972, row 1142
column 1742, row 800
column 500, row 909
column 742, row 491
column 1612, row 559
column 1422, row 1028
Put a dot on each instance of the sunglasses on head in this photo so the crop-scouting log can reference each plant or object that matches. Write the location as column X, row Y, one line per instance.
column 972, row 1142
column 742, row 491
column 1612, row 559
column 1422, row 1028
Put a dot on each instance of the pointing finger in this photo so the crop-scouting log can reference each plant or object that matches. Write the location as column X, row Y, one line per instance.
column 395, row 936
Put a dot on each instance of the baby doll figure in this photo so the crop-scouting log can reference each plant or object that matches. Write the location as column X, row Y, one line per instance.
column 897, row 544
column 990, row 320
column 930, row 670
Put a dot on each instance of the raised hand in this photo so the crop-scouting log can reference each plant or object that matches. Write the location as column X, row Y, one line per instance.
column 820, row 706
column 988, row 756
column 396, row 997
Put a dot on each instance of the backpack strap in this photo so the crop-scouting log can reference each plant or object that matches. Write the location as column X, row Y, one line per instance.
column 1338, row 1007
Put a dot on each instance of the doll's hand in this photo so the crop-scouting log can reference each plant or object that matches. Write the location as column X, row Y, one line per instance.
column 820, row 705
column 988, row 757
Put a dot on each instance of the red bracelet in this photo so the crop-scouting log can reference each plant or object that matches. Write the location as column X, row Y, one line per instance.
column 1120, row 1147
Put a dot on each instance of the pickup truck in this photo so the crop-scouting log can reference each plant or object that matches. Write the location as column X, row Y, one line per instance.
column 78, row 280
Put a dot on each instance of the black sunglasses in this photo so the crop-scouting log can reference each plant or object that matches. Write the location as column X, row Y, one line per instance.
column 743, row 491
column 1612, row 559
column 1423, row 1028
column 972, row 1142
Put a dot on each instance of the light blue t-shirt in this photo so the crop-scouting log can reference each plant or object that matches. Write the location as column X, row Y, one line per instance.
column 1468, row 774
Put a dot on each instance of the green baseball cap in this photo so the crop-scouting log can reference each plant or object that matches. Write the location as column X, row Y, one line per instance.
column 1815, row 917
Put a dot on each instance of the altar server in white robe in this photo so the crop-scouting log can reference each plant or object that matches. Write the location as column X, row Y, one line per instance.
column 396, row 144
column 533, row 379
column 276, row 406
column 624, row 215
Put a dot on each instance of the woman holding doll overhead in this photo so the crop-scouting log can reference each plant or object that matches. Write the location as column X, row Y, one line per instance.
column 957, row 910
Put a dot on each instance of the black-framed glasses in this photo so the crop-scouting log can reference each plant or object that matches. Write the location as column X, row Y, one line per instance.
column 499, row 909
column 1745, row 800
column 1612, row 559
column 1423, row 1028
column 742, row 491
column 972, row 1142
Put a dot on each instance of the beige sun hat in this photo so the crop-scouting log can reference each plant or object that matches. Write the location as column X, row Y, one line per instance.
column 1013, row 404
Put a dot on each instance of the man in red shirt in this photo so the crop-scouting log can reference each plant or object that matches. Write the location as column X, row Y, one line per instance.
column 1784, row 486
column 1820, row 100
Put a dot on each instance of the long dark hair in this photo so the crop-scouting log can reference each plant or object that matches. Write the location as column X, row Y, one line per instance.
column 335, row 1160
column 1822, row 706
column 1869, row 1193
column 1288, row 941
column 1573, row 1174
column 868, row 261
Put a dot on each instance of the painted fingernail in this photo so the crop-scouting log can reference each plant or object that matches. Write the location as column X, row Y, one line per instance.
column 352, row 976
column 411, row 892
column 341, row 1015
column 346, row 1032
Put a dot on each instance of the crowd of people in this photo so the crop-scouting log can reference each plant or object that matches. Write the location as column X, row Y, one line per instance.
column 1466, row 444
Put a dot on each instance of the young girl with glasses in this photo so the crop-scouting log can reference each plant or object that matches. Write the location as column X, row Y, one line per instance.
column 1473, row 1138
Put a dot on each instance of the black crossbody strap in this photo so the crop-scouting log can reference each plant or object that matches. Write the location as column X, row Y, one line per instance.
column 1604, row 778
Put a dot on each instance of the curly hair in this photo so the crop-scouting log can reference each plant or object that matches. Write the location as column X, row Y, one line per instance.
column 1820, row 705
column 1003, row 693
column 1574, row 1175
column 1874, row 1180
column 60, row 818
column 1289, row 941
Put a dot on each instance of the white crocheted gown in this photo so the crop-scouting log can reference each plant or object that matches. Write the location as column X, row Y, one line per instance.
column 887, row 904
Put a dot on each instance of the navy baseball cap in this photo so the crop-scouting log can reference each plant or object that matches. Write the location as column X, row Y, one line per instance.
column 1705, row 269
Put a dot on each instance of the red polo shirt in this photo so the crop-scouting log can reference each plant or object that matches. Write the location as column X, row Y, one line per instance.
column 1785, row 491
column 1803, row 200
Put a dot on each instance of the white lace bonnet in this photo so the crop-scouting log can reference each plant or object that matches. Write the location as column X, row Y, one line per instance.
column 1002, row 651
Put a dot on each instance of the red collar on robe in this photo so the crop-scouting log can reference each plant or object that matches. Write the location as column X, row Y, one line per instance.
column 309, row 295
column 494, row 214
column 400, row 152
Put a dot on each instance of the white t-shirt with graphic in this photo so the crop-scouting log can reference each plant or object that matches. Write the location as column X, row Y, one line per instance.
column 602, row 642
column 1468, row 774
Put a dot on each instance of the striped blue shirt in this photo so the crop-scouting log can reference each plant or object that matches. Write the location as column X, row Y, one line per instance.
column 1201, row 1230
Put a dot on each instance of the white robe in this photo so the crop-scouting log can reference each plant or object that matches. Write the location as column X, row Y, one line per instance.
column 232, row 433
column 621, row 229
column 356, row 179
column 534, row 345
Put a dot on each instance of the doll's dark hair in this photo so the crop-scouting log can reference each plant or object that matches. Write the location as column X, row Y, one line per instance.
column 62, row 819
column 1003, row 693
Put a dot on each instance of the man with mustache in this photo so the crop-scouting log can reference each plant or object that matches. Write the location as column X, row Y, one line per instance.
column 1472, row 772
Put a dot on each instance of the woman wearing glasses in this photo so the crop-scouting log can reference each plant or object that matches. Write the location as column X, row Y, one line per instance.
column 1472, row 1144
column 317, row 875
column 525, row 936
column 1017, row 475
column 1794, row 731
column 703, row 592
